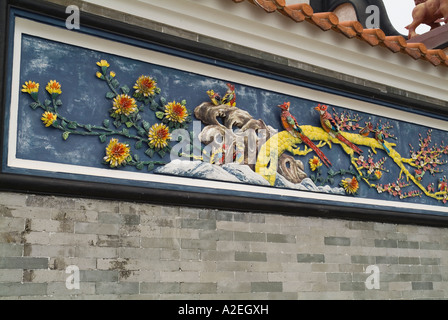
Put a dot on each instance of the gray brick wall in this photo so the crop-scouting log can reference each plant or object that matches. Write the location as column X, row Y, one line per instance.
column 140, row 251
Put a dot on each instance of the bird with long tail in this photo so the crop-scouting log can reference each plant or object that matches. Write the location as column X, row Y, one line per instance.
column 332, row 128
column 290, row 124
column 379, row 136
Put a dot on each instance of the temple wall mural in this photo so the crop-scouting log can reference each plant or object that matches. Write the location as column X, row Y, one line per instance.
column 96, row 108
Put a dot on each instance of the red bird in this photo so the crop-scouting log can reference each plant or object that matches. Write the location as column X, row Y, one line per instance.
column 332, row 128
column 290, row 124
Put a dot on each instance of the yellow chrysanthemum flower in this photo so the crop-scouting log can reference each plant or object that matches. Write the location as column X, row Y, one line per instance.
column 99, row 75
column 103, row 63
column 378, row 174
column 314, row 163
column 124, row 104
column 145, row 86
column 351, row 186
column 176, row 112
column 159, row 136
column 117, row 153
column 48, row 118
column 30, row 87
column 53, row 87
column 112, row 74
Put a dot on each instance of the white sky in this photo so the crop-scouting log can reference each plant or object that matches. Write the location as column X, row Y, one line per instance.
column 400, row 14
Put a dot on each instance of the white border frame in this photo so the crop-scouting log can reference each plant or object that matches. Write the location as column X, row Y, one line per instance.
column 26, row 26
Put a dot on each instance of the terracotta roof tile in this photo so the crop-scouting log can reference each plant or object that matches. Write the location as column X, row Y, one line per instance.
column 326, row 21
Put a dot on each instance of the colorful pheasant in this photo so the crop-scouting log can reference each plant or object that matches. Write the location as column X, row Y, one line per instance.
column 214, row 97
column 366, row 130
column 230, row 96
column 379, row 136
column 332, row 128
column 290, row 124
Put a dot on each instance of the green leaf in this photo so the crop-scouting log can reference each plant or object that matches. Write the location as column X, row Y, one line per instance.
column 154, row 106
column 63, row 123
column 163, row 100
column 125, row 132
column 110, row 95
column 125, row 89
column 139, row 166
column 151, row 166
column 129, row 124
column 160, row 115
column 103, row 138
column 141, row 132
column 149, row 152
column 161, row 153
column 136, row 157
column 58, row 102
column 88, row 127
column 106, row 123
column 331, row 180
column 138, row 144
column 73, row 125
column 65, row 135
column 34, row 105
column 146, row 125
column 115, row 83
column 117, row 123
column 123, row 118
column 47, row 102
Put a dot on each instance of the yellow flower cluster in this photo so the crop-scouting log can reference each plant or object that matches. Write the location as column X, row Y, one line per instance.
column 176, row 112
column 159, row 136
column 48, row 118
column 117, row 153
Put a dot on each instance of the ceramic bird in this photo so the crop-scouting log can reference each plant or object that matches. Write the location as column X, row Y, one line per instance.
column 443, row 185
column 379, row 136
column 290, row 124
column 332, row 128
column 366, row 130
column 214, row 97
column 230, row 96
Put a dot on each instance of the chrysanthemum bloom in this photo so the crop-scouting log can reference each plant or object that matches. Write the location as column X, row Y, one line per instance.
column 48, row 118
column 378, row 174
column 103, row 63
column 124, row 104
column 30, row 87
column 159, row 136
column 351, row 186
column 117, row 153
column 99, row 75
column 53, row 87
column 145, row 86
column 314, row 163
column 176, row 112
column 112, row 74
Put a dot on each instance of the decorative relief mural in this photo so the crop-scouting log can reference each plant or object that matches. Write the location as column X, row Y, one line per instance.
column 88, row 108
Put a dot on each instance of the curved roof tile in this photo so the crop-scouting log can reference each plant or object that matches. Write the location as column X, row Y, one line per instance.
column 326, row 21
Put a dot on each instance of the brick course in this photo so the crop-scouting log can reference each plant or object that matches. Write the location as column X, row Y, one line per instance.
column 132, row 250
